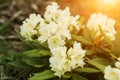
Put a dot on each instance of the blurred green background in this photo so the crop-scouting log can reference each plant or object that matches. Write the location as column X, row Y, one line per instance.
column 12, row 14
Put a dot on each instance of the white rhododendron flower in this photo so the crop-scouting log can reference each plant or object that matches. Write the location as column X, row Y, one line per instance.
column 56, row 25
column 112, row 73
column 74, row 21
column 76, row 55
column 106, row 24
column 51, row 12
column 46, row 31
column 55, row 22
column 117, row 64
column 63, row 32
column 63, row 61
column 28, row 29
column 34, row 19
column 62, row 17
column 58, row 61
column 55, row 41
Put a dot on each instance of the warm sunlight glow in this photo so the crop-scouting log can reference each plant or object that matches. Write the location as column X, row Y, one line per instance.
column 109, row 1
column 87, row 7
column 112, row 3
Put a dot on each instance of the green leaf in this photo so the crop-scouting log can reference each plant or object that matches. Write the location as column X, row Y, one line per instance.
column 77, row 77
column 19, row 65
column 33, row 63
column 45, row 45
column 37, row 53
column 67, row 75
column 103, row 61
column 81, row 39
column 97, row 64
column 87, row 34
column 113, row 55
column 117, row 42
column 87, row 70
column 107, row 39
column 89, row 52
column 105, row 49
column 47, row 74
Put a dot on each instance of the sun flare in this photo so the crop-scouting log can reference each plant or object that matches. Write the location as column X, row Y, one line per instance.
column 87, row 7
column 109, row 1
column 113, row 3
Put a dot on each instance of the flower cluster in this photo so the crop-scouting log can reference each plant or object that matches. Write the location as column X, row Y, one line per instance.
column 28, row 29
column 63, row 60
column 56, row 28
column 113, row 73
column 100, row 21
column 53, row 28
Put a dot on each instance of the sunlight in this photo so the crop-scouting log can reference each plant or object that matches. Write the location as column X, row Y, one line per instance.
column 87, row 7
column 109, row 1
